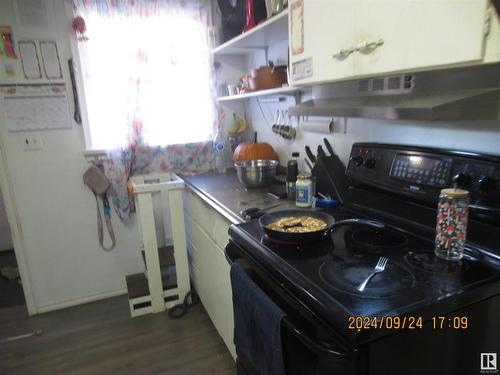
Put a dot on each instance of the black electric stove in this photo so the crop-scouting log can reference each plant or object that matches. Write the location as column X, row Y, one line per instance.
column 414, row 281
column 396, row 208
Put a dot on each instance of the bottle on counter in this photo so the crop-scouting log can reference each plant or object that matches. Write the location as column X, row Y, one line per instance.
column 292, row 171
column 222, row 153
column 304, row 190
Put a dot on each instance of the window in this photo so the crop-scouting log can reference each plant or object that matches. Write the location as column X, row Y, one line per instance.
column 146, row 76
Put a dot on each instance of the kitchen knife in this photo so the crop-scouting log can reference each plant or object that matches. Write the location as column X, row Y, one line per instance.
column 321, row 153
column 309, row 164
column 328, row 146
column 310, row 155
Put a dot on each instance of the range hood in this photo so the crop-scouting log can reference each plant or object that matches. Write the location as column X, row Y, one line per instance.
column 470, row 93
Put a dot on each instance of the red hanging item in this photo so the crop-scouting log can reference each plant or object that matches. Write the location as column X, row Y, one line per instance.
column 79, row 26
column 250, row 13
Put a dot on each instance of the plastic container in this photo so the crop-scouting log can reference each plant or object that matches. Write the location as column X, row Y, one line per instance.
column 451, row 226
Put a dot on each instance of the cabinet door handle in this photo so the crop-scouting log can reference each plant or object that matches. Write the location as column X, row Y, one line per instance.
column 367, row 47
column 344, row 53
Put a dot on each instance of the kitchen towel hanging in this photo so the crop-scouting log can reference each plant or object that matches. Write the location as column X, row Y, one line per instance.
column 257, row 324
column 95, row 179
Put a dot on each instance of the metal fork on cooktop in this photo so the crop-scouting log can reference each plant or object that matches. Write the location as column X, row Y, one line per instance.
column 382, row 262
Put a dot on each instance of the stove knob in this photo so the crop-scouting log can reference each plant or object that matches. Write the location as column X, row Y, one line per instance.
column 357, row 160
column 370, row 163
column 461, row 179
column 486, row 184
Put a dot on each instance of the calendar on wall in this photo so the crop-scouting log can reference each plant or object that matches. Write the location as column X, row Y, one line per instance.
column 35, row 107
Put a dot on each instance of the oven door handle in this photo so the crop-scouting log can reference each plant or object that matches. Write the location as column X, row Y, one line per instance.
column 315, row 347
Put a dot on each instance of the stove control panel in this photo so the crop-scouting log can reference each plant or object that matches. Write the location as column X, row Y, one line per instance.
column 419, row 169
column 421, row 173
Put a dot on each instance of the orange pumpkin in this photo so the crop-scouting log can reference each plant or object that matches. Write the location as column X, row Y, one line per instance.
column 254, row 151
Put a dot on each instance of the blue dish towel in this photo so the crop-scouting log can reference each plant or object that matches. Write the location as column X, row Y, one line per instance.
column 257, row 321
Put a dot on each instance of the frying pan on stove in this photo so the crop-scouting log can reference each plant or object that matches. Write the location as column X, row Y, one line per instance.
column 296, row 237
column 310, row 236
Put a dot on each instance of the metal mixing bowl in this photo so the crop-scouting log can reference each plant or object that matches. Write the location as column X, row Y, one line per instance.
column 256, row 173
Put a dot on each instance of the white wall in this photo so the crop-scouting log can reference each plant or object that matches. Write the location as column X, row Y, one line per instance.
column 56, row 211
column 481, row 136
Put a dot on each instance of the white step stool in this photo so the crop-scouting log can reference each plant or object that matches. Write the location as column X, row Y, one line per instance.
column 151, row 295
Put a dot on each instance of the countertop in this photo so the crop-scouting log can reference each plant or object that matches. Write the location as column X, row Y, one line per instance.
column 228, row 196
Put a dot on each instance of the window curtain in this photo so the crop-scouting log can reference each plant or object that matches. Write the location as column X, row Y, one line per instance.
column 149, row 88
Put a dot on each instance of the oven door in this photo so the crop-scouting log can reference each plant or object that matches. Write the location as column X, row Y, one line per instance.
column 308, row 346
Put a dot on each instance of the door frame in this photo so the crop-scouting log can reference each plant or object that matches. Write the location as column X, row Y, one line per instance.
column 6, row 189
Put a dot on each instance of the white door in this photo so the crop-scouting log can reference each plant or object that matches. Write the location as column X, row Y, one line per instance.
column 320, row 29
column 405, row 35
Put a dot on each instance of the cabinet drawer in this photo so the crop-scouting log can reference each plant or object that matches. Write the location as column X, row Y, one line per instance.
column 221, row 236
column 199, row 241
column 201, row 213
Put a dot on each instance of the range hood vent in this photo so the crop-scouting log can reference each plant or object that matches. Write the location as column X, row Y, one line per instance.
column 471, row 93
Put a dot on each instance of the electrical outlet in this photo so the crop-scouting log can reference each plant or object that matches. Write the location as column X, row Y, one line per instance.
column 32, row 142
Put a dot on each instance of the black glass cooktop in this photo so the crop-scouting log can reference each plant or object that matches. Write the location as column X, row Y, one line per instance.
column 331, row 270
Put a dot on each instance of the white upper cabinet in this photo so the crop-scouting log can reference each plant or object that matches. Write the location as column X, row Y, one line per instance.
column 317, row 29
column 353, row 38
column 414, row 34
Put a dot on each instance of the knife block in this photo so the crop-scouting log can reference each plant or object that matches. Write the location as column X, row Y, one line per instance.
column 330, row 175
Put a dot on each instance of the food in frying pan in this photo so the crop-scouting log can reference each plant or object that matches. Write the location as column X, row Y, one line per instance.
column 297, row 224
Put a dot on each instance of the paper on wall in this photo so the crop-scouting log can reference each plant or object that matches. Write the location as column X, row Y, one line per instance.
column 31, row 13
column 50, row 59
column 29, row 60
column 30, row 107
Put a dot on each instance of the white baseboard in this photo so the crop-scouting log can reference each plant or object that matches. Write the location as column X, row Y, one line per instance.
column 80, row 301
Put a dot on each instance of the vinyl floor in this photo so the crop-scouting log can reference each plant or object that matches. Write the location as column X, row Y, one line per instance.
column 102, row 338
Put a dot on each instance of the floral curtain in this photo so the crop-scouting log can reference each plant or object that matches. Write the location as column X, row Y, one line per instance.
column 122, row 163
column 149, row 88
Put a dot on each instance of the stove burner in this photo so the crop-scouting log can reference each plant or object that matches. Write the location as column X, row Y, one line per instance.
column 346, row 276
column 379, row 238
column 429, row 262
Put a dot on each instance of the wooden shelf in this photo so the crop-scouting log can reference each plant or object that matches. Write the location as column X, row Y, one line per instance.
column 277, row 91
column 269, row 32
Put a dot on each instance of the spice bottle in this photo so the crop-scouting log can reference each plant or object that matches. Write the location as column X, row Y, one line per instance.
column 304, row 191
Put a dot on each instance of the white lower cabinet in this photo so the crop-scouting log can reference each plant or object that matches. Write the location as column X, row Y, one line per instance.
column 206, row 233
